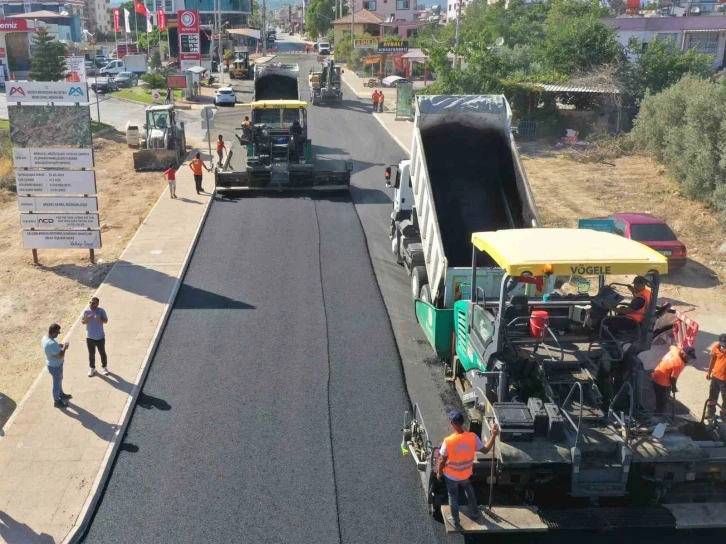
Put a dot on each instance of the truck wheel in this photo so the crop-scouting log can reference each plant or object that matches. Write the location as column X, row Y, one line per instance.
column 425, row 293
column 418, row 280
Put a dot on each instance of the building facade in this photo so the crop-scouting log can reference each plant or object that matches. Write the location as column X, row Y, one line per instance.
column 390, row 10
column 99, row 16
column 706, row 34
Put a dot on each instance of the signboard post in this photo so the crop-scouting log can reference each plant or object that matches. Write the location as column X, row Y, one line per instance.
column 404, row 101
column 208, row 122
column 601, row 225
column 189, row 51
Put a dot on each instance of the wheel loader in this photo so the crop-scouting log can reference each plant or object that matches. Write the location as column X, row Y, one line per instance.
column 163, row 140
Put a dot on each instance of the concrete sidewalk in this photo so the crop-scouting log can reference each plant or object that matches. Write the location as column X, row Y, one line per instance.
column 53, row 461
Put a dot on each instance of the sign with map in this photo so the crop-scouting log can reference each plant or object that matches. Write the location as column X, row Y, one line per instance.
column 40, row 126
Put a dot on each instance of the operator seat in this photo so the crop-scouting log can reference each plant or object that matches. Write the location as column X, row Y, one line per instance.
column 518, row 306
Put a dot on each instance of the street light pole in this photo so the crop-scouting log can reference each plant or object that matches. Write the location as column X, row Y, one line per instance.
column 351, row 3
column 263, row 30
column 458, row 21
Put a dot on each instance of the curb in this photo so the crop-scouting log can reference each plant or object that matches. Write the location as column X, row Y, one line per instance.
column 89, row 508
column 380, row 121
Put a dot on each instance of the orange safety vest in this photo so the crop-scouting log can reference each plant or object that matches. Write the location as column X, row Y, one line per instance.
column 375, row 96
column 197, row 166
column 220, row 145
column 381, row 98
column 639, row 315
column 670, row 366
column 460, row 455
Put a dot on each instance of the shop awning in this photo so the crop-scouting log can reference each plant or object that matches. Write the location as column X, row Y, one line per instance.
column 371, row 60
column 415, row 55
column 251, row 32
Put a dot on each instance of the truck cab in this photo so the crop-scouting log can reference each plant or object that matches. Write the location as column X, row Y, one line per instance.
column 324, row 48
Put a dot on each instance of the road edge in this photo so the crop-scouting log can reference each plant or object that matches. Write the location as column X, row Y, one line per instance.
column 89, row 508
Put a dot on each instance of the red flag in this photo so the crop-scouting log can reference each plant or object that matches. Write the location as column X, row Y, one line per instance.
column 141, row 8
column 116, row 20
column 162, row 19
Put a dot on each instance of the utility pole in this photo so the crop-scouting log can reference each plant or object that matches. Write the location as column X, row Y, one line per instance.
column 458, row 22
column 351, row 4
column 263, row 30
column 218, row 13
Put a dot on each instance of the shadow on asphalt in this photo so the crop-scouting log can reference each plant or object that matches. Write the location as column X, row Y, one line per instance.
column 149, row 402
column 14, row 532
column 370, row 196
column 129, row 448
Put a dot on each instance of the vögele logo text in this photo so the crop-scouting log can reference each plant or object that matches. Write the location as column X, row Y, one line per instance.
column 590, row 270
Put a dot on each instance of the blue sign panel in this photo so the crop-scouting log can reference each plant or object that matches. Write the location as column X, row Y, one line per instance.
column 602, row 225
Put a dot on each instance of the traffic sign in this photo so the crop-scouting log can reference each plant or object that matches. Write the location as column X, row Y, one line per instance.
column 208, row 113
column 207, row 125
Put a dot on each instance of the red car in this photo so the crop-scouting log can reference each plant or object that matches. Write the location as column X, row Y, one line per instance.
column 652, row 232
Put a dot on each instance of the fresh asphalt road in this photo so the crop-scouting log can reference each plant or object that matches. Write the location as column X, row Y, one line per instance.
column 273, row 407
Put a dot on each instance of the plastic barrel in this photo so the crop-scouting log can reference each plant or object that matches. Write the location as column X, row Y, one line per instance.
column 537, row 323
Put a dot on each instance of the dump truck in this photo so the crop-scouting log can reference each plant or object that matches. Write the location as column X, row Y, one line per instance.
column 163, row 140
column 464, row 175
column 279, row 154
column 276, row 81
column 569, row 455
column 325, row 83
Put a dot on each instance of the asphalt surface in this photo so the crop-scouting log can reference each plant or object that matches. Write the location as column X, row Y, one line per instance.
column 273, row 407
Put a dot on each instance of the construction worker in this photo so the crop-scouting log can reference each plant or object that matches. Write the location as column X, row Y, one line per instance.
column 717, row 375
column 381, row 98
column 221, row 148
column 456, row 462
column 196, row 165
column 374, row 97
column 666, row 374
column 638, row 307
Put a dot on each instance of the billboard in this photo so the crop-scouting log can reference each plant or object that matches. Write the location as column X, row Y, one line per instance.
column 42, row 93
column 76, row 68
column 364, row 43
column 62, row 239
column 52, row 158
column 176, row 82
column 190, row 53
column 59, row 220
column 66, row 204
column 396, row 46
column 41, row 126
column 55, row 182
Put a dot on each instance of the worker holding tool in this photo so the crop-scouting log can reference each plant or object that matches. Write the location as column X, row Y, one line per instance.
column 717, row 375
column 374, row 97
column 666, row 374
column 456, row 462
column 196, row 165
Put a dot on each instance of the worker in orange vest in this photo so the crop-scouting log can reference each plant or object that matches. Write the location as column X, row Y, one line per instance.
column 456, row 462
column 666, row 374
column 374, row 97
column 717, row 375
column 638, row 307
column 381, row 98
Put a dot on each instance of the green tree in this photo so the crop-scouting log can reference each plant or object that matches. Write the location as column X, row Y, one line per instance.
column 47, row 62
column 153, row 38
column 155, row 63
column 319, row 16
column 661, row 65
column 576, row 40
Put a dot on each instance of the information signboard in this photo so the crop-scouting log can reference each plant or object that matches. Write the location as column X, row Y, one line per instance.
column 404, row 101
column 190, row 53
column 602, row 225
column 364, row 43
column 176, row 82
column 397, row 46
column 52, row 157
column 76, row 69
column 59, row 220
column 69, row 204
column 62, row 239
column 55, row 182
column 39, row 92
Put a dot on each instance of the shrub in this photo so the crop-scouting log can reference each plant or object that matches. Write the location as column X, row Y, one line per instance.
column 154, row 81
column 684, row 127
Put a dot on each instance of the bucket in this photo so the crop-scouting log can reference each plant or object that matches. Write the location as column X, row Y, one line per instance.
column 537, row 323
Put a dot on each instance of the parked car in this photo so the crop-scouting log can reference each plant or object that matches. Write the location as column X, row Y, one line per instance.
column 126, row 79
column 393, row 81
column 652, row 232
column 103, row 85
column 91, row 69
column 225, row 97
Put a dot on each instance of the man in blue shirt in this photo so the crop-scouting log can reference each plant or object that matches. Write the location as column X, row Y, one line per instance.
column 54, row 355
column 94, row 318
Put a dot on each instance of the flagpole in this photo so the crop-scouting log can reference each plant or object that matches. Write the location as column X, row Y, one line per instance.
column 148, row 42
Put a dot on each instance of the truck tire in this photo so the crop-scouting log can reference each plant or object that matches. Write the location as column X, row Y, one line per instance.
column 418, row 280
column 425, row 294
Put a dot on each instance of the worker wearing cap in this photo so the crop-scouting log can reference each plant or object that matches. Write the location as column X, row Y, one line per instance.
column 638, row 307
column 717, row 374
column 666, row 374
column 456, row 463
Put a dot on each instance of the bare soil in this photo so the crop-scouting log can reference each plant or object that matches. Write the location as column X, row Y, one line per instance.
column 566, row 190
column 33, row 296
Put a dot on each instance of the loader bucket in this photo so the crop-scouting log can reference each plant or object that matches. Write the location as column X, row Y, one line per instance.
column 155, row 159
